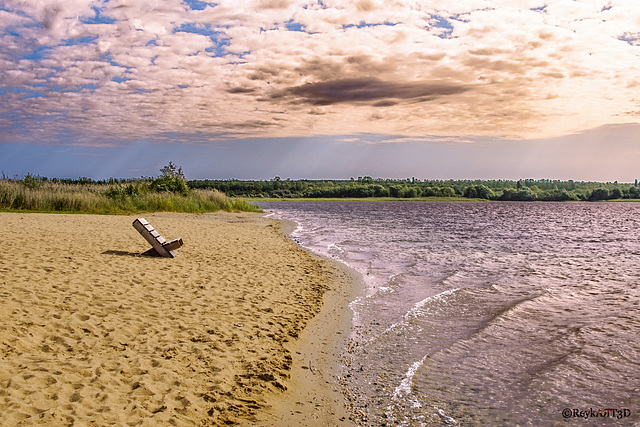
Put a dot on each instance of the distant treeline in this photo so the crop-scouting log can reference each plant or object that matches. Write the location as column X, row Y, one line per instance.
column 366, row 187
column 362, row 187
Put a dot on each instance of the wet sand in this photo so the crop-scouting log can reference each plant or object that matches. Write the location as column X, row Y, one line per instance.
column 228, row 332
column 315, row 396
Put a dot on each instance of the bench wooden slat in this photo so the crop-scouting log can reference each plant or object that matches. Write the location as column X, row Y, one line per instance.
column 173, row 245
column 161, row 246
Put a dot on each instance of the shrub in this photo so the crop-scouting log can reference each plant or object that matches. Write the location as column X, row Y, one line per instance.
column 559, row 195
column 615, row 194
column 523, row 195
column 171, row 180
column 632, row 193
column 31, row 181
column 600, row 194
column 478, row 192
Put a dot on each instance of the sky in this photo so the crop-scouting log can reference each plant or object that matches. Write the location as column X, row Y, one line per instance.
column 252, row 89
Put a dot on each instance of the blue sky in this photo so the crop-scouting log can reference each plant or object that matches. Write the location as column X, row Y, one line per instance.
column 321, row 89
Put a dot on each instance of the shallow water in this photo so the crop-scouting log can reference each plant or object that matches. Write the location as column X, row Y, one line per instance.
column 486, row 313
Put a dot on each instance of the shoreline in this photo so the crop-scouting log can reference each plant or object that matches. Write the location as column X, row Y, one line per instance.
column 91, row 331
column 314, row 396
column 366, row 199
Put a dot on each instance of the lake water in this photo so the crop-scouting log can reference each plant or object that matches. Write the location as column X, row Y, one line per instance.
column 486, row 313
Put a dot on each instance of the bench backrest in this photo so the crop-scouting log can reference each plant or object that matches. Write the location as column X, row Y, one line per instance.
column 162, row 247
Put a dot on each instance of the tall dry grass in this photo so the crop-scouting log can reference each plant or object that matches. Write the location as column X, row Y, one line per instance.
column 103, row 199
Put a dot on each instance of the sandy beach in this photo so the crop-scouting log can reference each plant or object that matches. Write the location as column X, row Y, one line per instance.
column 228, row 332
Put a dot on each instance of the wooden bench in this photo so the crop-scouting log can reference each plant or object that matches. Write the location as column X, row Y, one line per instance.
column 160, row 245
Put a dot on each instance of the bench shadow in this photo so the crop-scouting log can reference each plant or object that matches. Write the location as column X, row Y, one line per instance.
column 151, row 253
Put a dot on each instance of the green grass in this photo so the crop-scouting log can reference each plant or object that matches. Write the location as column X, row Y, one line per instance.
column 102, row 199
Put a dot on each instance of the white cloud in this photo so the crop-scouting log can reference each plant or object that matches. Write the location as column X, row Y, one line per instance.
column 136, row 68
column 8, row 19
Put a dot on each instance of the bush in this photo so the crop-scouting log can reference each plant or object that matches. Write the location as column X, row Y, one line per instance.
column 478, row 192
column 599, row 194
column 632, row 193
column 171, row 180
column 170, row 184
column 523, row 195
column 119, row 192
column 31, row 181
column 559, row 196
column 438, row 192
column 409, row 192
column 615, row 194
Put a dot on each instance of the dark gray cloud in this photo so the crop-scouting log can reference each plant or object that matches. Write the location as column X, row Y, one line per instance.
column 374, row 91
column 241, row 90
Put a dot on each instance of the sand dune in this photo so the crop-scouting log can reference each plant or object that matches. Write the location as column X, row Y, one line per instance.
column 92, row 333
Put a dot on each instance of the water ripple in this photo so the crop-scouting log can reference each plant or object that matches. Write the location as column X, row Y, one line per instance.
column 485, row 313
